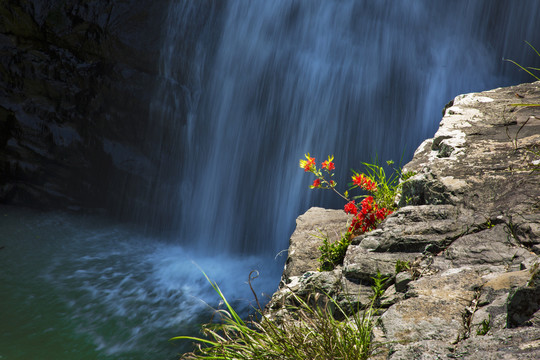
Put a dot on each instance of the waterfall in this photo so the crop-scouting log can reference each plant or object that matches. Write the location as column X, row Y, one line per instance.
column 247, row 87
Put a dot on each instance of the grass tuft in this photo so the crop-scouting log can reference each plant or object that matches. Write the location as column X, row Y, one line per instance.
column 315, row 333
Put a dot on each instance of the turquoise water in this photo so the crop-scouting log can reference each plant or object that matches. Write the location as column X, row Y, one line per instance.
column 81, row 287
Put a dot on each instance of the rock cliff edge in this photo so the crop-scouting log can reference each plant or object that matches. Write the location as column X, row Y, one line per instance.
column 468, row 225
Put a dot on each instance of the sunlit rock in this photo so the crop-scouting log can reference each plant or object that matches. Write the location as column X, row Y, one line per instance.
column 468, row 230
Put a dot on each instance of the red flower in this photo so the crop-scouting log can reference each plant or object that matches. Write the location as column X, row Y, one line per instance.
column 316, row 183
column 358, row 179
column 367, row 204
column 364, row 182
column 367, row 215
column 309, row 164
column 328, row 165
column 370, row 186
column 382, row 213
column 355, row 224
column 350, row 208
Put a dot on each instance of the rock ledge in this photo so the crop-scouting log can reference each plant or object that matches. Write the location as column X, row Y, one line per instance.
column 469, row 225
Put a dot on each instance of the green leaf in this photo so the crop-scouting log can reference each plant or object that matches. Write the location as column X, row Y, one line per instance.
column 536, row 51
column 213, row 343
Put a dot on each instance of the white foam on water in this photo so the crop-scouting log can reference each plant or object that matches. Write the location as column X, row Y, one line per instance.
column 125, row 293
column 144, row 286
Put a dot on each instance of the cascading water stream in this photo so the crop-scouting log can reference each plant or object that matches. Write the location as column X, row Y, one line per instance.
column 260, row 83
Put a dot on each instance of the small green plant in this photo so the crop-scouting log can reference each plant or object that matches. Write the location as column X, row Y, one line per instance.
column 484, row 326
column 407, row 175
column 314, row 334
column 529, row 70
column 387, row 186
column 402, row 265
column 515, row 139
column 333, row 253
column 511, row 230
column 378, row 286
column 487, row 224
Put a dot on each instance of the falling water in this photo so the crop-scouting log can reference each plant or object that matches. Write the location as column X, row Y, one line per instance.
column 247, row 87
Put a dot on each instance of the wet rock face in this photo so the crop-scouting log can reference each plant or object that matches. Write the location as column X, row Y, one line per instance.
column 76, row 80
column 468, row 228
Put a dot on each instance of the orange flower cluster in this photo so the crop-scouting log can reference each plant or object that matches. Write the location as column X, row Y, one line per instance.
column 367, row 217
column 308, row 164
column 328, row 165
column 368, row 214
column 364, row 182
column 320, row 182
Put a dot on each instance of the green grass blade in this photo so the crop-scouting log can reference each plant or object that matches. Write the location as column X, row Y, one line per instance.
column 213, row 343
column 229, row 307
column 536, row 51
column 523, row 68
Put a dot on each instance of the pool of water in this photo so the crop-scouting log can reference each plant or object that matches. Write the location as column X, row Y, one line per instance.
column 82, row 287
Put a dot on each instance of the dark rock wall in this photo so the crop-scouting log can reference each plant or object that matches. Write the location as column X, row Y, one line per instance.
column 76, row 80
